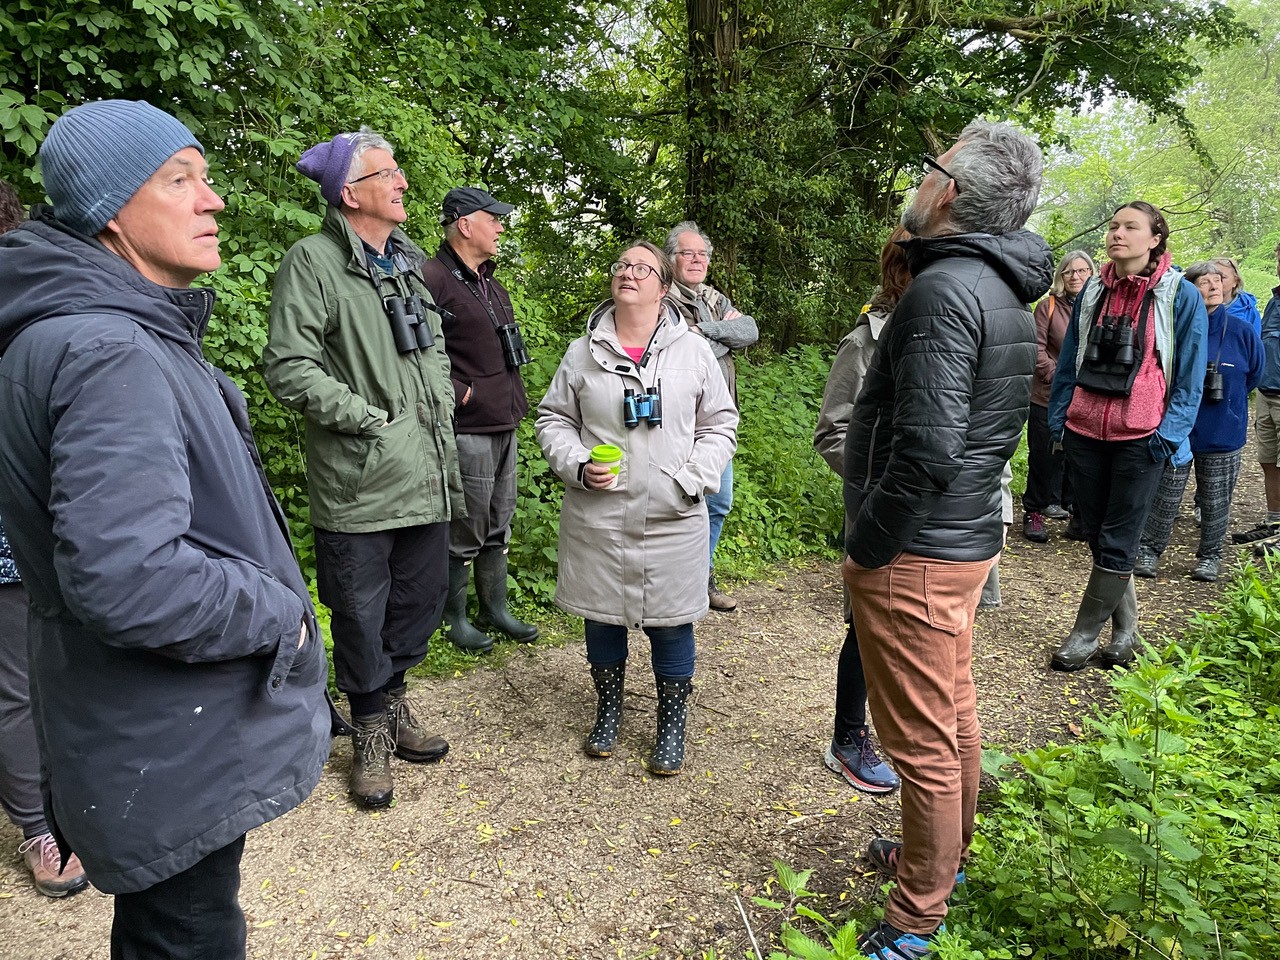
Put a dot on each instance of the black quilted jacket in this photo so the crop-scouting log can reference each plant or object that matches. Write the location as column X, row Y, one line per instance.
column 945, row 399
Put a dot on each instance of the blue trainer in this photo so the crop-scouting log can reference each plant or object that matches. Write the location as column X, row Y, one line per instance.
column 886, row 942
column 852, row 756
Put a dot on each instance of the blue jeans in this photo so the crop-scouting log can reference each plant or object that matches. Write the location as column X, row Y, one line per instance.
column 672, row 647
column 718, row 506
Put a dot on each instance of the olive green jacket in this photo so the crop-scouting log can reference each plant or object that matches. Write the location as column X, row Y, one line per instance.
column 380, row 445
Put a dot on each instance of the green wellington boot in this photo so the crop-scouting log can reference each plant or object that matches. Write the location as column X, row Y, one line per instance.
column 1101, row 597
column 491, row 589
column 461, row 633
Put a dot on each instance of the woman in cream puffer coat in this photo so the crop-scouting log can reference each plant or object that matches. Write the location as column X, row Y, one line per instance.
column 632, row 549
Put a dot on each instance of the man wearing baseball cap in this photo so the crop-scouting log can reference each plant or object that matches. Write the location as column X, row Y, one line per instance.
column 486, row 351
column 356, row 347
column 177, row 677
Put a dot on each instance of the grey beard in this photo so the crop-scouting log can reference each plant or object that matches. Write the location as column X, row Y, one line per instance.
column 913, row 221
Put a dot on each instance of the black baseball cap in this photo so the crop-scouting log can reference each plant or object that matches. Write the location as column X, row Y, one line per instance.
column 461, row 201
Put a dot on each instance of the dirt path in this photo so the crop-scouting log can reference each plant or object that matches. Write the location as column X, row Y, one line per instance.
column 519, row 846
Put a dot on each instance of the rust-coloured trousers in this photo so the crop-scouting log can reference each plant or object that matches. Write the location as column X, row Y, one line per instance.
column 914, row 618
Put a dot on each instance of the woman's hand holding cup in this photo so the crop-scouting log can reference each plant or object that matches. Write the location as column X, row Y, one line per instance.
column 602, row 472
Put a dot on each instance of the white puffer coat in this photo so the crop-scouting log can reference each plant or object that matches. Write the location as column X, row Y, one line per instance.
column 636, row 554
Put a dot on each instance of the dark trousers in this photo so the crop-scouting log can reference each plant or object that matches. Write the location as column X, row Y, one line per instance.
column 1114, row 483
column 19, row 756
column 386, row 591
column 851, row 686
column 1046, row 471
column 672, row 647
column 192, row 916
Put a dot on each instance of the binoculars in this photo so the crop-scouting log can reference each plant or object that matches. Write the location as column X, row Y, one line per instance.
column 1110, row 342
column 1213, row 391
column 513, row 348
column 408, row 319
column 642, row 406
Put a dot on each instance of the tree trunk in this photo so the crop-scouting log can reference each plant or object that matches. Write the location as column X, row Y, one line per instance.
column 714, row 71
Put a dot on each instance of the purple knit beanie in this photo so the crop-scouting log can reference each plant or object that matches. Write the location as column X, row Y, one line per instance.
column 328, row 164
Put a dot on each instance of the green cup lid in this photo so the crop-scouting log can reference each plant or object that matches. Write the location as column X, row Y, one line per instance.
column 606, row 453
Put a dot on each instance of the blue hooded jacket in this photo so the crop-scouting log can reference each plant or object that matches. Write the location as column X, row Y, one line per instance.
column 1270, row 381
column 1223, row 427
column 1245, row 307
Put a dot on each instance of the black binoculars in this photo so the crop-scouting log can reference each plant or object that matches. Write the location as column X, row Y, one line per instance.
column 1111, row 341
column 513, row 348
column 1213, row 391
column 642, row 406
column 409, row 327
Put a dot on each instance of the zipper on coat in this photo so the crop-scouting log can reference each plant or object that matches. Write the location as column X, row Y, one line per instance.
column 871, row 452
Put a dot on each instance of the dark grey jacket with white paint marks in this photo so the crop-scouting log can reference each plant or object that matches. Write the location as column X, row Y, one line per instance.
column 174, row 708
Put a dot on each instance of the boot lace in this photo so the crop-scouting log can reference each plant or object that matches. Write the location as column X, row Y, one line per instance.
column 375, row 746
column 400, row 717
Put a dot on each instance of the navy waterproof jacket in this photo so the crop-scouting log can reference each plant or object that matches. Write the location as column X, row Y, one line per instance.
column 1270, row 382
column 943, row 404
column 174, row 708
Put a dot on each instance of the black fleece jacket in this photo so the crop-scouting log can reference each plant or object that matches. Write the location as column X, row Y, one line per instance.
column 476, row 305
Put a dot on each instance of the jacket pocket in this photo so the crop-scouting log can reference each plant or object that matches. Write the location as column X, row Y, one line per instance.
column 393, row 463
column 668, row 501
column 354, row 451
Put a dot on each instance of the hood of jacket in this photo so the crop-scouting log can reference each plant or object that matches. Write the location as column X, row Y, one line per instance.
column 62, row 272
column 602, row 331
column 1022, row 258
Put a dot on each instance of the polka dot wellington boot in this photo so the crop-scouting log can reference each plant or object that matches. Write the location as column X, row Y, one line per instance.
column 604, row 735
column 668, row 751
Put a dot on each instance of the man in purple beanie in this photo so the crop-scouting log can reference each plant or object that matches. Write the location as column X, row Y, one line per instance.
column 177, row 677
column 357, row 348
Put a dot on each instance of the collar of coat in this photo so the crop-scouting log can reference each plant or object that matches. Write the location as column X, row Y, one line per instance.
column 449, row 257
column 602, row 335
column 406, row 255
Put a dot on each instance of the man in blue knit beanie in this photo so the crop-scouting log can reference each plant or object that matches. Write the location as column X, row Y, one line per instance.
column 177, row 678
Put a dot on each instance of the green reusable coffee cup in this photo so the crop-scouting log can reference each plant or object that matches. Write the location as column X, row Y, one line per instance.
column 607, row 455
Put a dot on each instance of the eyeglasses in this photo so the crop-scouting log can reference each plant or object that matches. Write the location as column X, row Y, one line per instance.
column 1078, row 272
column 382, row 175
column 932, row 164
column 692, row 255
column 641, row 271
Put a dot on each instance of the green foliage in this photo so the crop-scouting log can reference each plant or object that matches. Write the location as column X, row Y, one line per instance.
column 1221, row 197
column 1158, row 837
column 786, row 501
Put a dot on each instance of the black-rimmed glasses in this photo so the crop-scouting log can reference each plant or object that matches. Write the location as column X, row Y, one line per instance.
column 383, row 175
column 641, row 271
column 932, row 164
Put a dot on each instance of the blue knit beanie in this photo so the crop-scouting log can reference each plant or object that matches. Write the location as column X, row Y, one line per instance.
column 97, row 155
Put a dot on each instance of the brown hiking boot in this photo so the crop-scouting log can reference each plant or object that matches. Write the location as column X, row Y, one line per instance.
column 412, row 743
column 718, row 599
column 44, row 860
column 371, row 747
